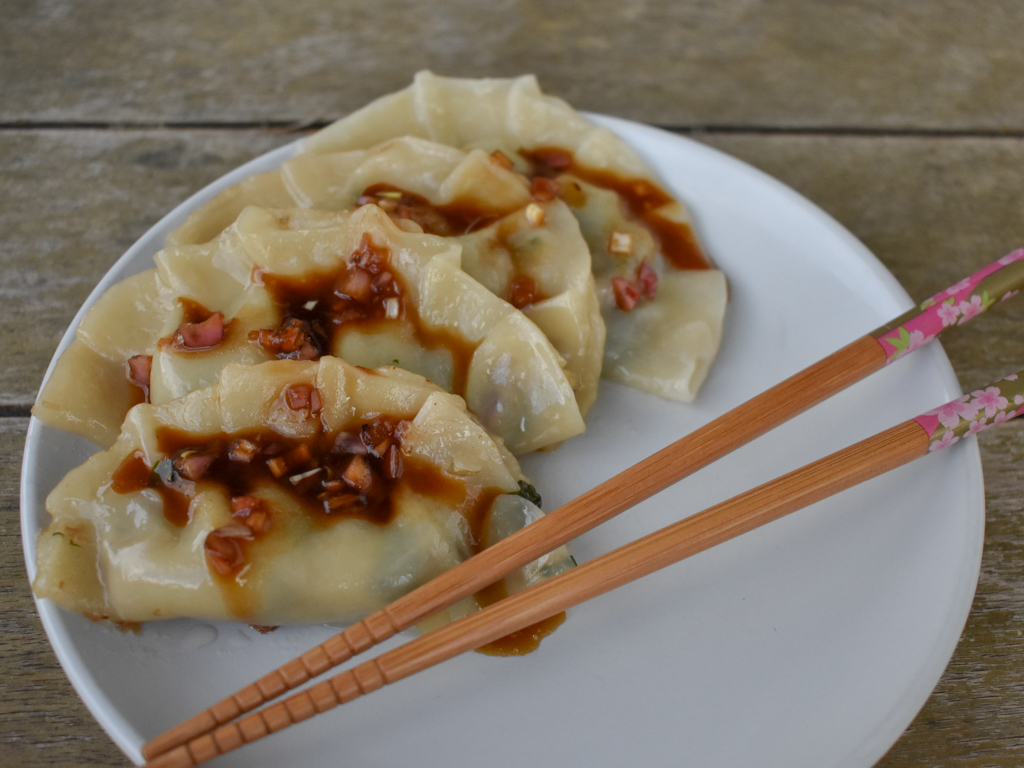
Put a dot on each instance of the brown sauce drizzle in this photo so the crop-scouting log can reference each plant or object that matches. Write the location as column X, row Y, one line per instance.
column 132, row 474
column 448, row 220
column 525, row 640
column 460, row 218
column 352, row 473
column 361, row 292
column 640, row 197
column 523, row 291
column 522, row 641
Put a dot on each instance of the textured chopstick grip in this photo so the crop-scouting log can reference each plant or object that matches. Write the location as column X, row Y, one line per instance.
column 974, row 412
column 336, row 650
column 954, row 306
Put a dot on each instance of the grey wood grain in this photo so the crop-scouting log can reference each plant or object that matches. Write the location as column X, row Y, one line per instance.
column 42, row 720
column 923, row 64
column 75, row 201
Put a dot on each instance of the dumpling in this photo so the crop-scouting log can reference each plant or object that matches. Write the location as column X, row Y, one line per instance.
column 664, row 323
column 291, row 491
column 466, row 187
column 644, row 240
column 524, row 247
column 489, row 113
column 300, row 284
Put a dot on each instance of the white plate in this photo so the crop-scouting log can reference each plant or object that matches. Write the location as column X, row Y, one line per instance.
column 811, row 642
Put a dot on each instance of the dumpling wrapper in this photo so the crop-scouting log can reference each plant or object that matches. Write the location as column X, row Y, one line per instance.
column 89, row 392
column 118, row 556
column 512, row 115
column 442, row 174
column 666, row 344
column 479, row 346
column 552, row 254
column 507, row 114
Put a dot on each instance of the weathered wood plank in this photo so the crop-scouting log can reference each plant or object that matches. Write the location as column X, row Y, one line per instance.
column 42, row 720
column 922, row 64
column 71, row 204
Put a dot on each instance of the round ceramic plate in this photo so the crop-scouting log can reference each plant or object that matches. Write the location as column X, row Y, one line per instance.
column 811, row 642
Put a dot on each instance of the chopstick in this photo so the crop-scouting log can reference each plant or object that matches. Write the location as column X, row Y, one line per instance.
column 867, row 459
column 904, row 334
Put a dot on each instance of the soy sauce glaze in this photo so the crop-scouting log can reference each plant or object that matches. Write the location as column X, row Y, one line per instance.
column 522, row 641
column 641, row 198
column 359, row 291
column 452, row 220
column 447, row 220
column 362, row 292
column 356, row 472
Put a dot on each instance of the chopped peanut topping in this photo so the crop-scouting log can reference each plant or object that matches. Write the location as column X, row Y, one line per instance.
column 629, row 292
column 534, row 214
column 242, row 450
column 502, row 159
column 223, row 553
column 621, row 244
column 543, row 189
column 358, row 474
column 278, row 466
column 192, row 465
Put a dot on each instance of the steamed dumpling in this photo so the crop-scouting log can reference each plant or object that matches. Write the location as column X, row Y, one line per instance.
column 545, row 138
column 664, row 324
column 292, row 491
column 489, row 113
column 302, row 283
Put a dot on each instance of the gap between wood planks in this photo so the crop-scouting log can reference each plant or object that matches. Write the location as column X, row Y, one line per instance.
column 303, row 126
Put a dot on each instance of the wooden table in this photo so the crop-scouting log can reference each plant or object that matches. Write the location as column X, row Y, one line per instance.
column 904, row 121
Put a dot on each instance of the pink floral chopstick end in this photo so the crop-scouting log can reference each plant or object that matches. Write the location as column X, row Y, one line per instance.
column 974, row 412
column 953, row 306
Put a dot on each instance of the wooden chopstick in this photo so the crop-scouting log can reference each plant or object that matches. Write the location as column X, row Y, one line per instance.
column 652, row 475
column 842, row 470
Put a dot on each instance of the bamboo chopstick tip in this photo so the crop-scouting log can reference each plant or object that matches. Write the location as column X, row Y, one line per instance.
column 179, row 735
column 179, row 757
